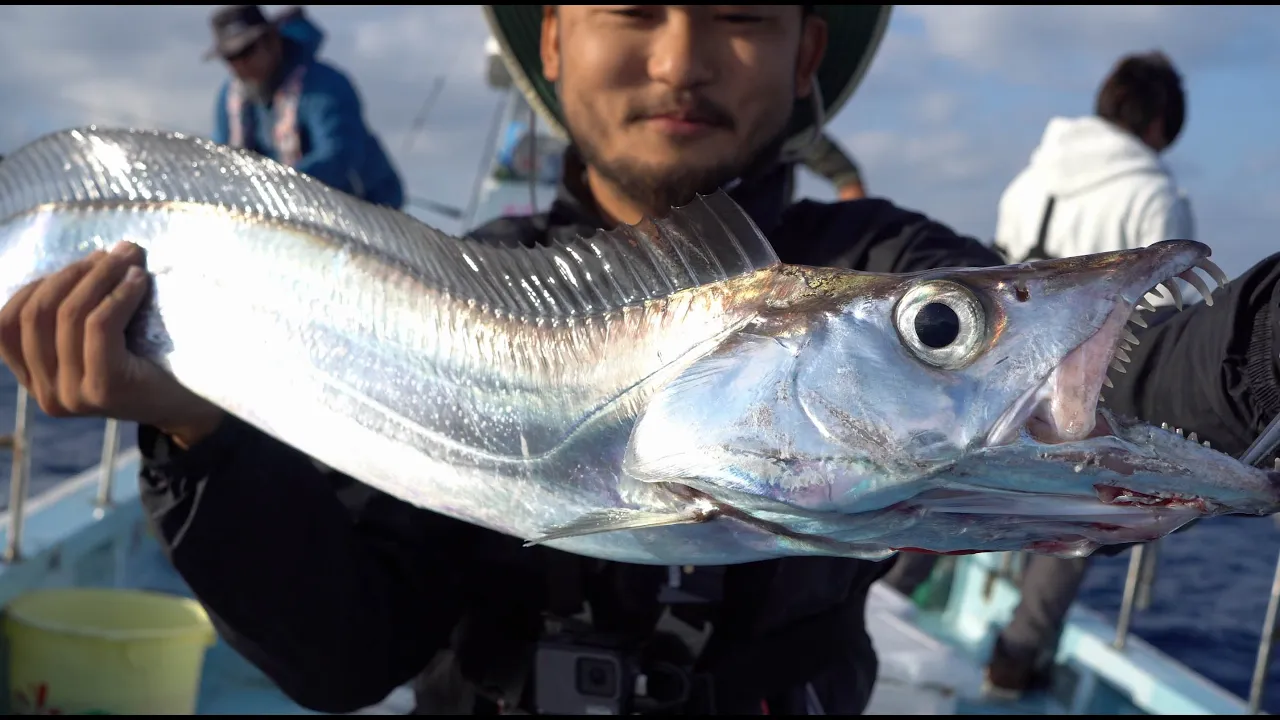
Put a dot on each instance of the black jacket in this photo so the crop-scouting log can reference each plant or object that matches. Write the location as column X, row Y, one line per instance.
column 340, row 593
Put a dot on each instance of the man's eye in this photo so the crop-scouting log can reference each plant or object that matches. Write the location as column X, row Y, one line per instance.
column 636, row 13
column 739, row 18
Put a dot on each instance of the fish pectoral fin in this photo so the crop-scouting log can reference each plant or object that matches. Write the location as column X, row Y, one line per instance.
column 613, row 519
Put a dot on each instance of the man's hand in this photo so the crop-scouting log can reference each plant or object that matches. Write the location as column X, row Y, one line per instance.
column 63, row 337
column 852, row 191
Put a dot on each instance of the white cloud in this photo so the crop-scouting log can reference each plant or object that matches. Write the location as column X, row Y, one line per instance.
column 938, row 107
column 1035, row 43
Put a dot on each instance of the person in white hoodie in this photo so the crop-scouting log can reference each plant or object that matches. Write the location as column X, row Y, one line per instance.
column 1098, row 183
column 1094, row 184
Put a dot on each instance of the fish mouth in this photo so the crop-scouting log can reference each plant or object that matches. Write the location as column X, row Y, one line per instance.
column 1064, row 408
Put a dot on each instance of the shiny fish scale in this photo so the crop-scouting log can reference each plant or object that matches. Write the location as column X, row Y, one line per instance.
column 463, row 376
column 172, row 168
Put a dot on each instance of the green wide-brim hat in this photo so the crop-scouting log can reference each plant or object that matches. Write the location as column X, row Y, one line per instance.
column 854, row 35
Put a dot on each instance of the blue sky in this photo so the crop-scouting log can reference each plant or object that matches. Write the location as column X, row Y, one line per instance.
column 952, row 106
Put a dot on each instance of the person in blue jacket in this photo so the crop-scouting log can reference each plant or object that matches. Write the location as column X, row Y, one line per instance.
column 281, row 101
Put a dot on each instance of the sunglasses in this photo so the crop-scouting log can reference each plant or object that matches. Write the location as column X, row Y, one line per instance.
column 248, row 50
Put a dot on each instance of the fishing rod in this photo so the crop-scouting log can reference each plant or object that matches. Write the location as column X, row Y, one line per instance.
column 449, row 211
column 419, row 122
column 1264, row 445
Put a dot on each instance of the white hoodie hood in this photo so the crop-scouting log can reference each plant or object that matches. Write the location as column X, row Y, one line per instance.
column 1110, row 191
column 1077, row 155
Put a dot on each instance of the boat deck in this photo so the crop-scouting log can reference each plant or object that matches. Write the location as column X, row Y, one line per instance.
column 927, row 671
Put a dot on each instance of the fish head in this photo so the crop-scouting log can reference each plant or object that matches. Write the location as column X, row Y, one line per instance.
column 973, row 392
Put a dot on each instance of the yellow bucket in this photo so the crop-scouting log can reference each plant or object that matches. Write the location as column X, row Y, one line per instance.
column 92, row 651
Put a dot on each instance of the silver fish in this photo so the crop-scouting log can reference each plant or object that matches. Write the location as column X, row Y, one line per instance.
column 667, row 393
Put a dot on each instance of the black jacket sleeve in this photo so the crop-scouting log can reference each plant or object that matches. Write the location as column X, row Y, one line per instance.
column 1211, row 370
column 337, row 609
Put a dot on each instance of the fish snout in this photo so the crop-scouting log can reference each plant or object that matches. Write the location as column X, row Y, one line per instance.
column 1120, row 285
column 1163, row 261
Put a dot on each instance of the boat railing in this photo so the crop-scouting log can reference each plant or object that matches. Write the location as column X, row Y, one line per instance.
column 19, row 446
column 1138, row 582
column 1139, row 579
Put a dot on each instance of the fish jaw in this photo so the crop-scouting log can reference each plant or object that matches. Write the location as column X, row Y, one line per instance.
column 1124, row 462
column 961, row 521
column 1127, row 483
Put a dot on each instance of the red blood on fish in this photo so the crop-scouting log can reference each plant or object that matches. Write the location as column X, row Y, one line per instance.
column 922, row 551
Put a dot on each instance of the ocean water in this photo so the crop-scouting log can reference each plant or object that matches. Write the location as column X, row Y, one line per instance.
column 1207, row 604
column 1209, row 598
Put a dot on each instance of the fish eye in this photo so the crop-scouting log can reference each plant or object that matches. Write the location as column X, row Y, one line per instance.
column 942, row 323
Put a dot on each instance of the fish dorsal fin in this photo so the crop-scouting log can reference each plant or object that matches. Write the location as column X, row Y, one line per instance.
column 709, row 240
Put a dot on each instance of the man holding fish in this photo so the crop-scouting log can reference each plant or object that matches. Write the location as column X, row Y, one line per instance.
column 341, row 599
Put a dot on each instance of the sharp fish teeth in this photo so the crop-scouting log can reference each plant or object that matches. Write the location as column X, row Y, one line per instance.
column 1276, row 467
column 1137, row 320
column 1106, row 380
column 1129, row 337
column 1120, row 353
column 1214, row 271
column 1173, row 291
column 1192, row 437
column 1206, row 444
column 1178, row 431
column 1145, row 304
column 1194, row 281
column 1117, row 365
column 1164, row 426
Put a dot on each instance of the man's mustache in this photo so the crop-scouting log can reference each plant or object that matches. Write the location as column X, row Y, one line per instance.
column 694, row 108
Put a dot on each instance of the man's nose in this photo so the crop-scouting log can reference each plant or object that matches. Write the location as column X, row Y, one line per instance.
column 676, row 57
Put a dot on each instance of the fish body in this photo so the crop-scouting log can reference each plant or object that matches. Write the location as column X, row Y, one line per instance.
column 667, row 393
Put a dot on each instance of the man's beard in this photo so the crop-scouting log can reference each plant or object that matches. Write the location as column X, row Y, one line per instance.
column 263, row 91
column 255, row 92
column 658, row 189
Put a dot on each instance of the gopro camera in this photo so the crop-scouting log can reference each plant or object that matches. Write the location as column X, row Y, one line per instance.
column 571, row 679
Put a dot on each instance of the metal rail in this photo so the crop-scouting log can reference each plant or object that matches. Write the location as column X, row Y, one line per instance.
column 1258, row 685
column 1137, row 588
column 1267, row 638
column 1147, row 578
column 19, row 446
column 1004, row 572
column 107, row 467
